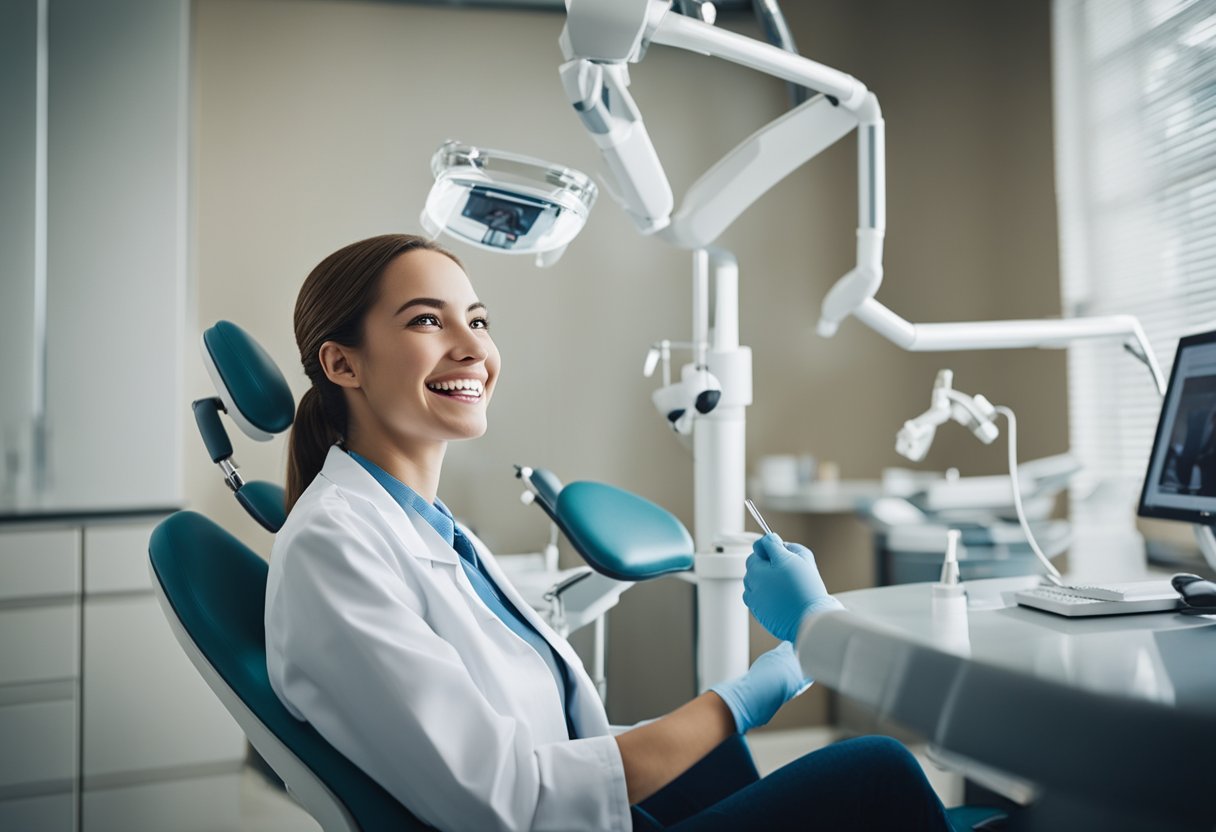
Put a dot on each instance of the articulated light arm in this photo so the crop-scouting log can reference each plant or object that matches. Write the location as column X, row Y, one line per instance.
column 602, row 36
column 998, row 335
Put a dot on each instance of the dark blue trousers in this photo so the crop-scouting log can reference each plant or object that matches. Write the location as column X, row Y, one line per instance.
column 864, row 783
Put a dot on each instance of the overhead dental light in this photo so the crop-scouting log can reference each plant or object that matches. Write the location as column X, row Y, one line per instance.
column 506, row 202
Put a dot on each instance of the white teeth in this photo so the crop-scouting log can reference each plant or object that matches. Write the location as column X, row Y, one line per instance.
column 472, row 385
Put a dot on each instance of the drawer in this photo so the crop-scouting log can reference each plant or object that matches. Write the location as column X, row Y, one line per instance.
column 116, row 558
column 198, row 804
column 39, row 743
column 46, row 813
column 145, row 706
column 37, row 564
column 39, row 644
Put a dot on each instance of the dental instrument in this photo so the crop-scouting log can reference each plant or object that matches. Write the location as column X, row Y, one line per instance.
column 757, row 516
column 975, row 413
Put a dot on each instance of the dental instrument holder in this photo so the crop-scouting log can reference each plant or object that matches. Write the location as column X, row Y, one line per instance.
column 977, row 414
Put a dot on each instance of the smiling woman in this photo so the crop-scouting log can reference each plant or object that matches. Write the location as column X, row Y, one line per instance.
column 379, row 324
column 393, row 631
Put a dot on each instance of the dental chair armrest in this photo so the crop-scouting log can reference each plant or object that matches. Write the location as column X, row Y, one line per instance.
column 585, row 597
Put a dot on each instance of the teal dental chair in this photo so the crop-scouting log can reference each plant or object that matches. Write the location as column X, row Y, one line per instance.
column 212, row 589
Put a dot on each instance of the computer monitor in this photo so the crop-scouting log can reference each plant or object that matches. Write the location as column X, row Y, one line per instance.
column 1181, row 479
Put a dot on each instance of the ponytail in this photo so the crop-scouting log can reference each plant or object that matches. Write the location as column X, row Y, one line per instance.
column 332, row 305
column 311, row 437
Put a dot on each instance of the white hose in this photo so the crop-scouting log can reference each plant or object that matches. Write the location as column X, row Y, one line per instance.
column 1053, row 574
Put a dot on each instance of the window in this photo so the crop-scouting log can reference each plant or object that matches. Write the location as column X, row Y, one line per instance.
column 1135, row 109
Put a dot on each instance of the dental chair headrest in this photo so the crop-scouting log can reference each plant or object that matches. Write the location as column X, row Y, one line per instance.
column 248, row 382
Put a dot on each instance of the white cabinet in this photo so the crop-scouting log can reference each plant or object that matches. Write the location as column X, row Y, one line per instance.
column 102, row 716
column 35, row 814
column 39, row 677
column 146, row 709
column 94, row 109
column 44, row 735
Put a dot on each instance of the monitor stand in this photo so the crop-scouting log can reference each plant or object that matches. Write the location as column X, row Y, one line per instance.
column 1207, row 544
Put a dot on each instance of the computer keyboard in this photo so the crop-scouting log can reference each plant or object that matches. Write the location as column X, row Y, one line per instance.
column 1107, row 599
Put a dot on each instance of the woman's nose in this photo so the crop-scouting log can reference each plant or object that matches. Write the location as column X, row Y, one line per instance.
column 469, row 346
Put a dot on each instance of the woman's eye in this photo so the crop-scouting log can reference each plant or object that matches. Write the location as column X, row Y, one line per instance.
column 479, row 323
column 425, row 320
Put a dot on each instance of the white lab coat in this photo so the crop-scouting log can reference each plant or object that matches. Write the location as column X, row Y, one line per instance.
column 376, row 637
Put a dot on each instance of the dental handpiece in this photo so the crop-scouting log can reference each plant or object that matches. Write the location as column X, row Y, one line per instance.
column 757, row 516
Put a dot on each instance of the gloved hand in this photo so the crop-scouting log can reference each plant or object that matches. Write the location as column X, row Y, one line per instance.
column 782, row 585
column 773, row 679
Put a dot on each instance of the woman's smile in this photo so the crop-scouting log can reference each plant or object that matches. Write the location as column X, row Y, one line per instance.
column 467, row 390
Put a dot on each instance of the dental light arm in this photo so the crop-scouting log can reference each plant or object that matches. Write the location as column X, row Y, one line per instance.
column 602, row 36
column 600, row 96
column 988, row 335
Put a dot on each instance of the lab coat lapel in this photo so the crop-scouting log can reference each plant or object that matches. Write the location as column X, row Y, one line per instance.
column 590, row 721
column 354, row 478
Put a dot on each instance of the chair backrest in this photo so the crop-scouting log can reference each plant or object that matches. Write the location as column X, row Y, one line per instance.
column 212, row 589
column 252, row 391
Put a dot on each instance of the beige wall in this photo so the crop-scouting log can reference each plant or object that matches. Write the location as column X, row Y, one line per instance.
column 314, row 123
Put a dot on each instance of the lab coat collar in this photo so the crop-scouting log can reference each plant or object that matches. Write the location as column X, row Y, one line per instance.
column 352, row 477
column 421, row 540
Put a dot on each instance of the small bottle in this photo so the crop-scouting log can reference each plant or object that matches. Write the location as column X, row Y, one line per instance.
column 948, row 585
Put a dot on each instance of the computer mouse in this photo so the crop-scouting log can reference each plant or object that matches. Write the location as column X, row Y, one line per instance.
column 1182, row 579
column 1199, row 594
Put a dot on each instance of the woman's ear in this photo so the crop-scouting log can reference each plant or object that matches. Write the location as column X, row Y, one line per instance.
column 339, row 364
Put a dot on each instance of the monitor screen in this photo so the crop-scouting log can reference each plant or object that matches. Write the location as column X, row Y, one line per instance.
column 1181, row 479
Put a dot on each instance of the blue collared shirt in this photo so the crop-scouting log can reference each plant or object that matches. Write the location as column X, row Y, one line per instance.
column 442, row 521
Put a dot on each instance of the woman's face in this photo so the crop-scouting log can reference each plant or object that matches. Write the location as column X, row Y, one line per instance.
column 428, row 366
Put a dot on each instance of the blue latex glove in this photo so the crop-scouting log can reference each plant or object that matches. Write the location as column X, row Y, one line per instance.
column 782, row 586
column 773, row 679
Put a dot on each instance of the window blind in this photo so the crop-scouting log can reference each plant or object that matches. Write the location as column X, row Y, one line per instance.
column 1135, row 113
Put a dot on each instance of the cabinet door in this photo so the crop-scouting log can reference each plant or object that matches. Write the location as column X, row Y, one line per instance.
column 116, row 235
column 116, row 558
column 43, row 563
column 146, row 708
column 47, row 813
column 39, row 644
column 22, row 275
column 39, row 747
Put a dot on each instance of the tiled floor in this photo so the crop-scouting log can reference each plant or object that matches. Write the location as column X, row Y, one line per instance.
column 266, row 809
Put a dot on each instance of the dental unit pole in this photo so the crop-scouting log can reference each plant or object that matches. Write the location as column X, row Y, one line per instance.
column 719, row 478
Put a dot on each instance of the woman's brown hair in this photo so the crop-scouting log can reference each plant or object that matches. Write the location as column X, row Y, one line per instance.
column 332, row 305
